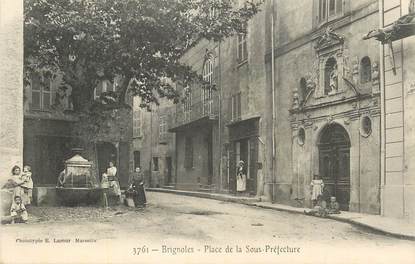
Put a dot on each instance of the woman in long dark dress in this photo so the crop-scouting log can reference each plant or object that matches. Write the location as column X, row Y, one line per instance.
column 136, row 189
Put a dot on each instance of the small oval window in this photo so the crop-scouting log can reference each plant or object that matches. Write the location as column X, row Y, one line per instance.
column 366, row 126
column 301, row 136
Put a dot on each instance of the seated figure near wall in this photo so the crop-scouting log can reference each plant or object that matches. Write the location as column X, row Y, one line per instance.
column 320, row 209
column 334, row 207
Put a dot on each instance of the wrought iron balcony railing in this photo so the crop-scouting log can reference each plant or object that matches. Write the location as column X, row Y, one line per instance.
column 186, row 113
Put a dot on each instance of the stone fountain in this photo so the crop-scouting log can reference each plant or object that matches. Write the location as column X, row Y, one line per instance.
column 77, row 185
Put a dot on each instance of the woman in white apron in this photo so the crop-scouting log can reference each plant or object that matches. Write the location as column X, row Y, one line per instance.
column 241, row 177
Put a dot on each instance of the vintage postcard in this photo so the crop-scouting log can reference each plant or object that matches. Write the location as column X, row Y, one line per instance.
column 207, row 131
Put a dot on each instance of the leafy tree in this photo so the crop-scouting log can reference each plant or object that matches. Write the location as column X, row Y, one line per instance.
column 140, row 41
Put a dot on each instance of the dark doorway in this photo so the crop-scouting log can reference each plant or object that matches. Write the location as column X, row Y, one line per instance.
column 169, row 165
column 106, row 153
column 334, row 159
column 245, row 150
column 49, row 159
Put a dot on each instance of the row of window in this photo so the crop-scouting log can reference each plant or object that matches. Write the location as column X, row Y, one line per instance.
column 43, row 89
column 138, row 125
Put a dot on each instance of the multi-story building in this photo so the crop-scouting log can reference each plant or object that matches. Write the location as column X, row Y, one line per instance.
column 397, row 64
column 302, row 95
column 153, row 145
column 52, row 129
column 326, row 83
column 227, row 121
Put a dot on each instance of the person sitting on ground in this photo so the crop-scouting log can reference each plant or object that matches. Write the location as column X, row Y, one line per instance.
column 18, row 211
column 334, row 207
column 320, row 209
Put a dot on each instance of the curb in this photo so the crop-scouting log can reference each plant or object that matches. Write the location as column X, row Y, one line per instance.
column 345, row 220
column 254, row 203
column 214, row 196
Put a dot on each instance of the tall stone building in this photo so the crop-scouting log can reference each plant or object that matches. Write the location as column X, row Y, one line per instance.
column 152, row 145
column 11, row 85
column 397, row 50
column 302, row 95
column 52, row 129
column 228, row 121
column 327, row 101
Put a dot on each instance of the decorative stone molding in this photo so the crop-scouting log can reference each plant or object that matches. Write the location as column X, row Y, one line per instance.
column 375, row 78
column 296, row 100
column 365, row 126
column 329, row 38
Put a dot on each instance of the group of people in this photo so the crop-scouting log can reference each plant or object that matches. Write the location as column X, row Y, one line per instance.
column 319, row 199
column 135, row 190
column 21, row 185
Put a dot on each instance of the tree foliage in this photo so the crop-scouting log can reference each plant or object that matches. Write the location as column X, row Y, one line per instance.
column 140, row 41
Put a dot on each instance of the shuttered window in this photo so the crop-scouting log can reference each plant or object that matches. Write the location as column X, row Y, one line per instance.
column 41, row 87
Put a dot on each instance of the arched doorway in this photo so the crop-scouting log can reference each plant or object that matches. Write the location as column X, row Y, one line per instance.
column 334, row 161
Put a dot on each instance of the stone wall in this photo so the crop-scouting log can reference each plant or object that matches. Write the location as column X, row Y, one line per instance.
column 11, row 85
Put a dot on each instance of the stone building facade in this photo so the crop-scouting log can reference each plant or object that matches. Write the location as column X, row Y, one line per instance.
column 397, row 50
column 152, row 144
column 327, row 101
column 52, row 129
column 217, row 127
column 11, row 91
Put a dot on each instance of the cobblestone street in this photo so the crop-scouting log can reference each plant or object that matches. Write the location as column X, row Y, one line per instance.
column 174, row 220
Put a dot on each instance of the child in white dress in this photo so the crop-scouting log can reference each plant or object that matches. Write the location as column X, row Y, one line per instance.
column 317, row 186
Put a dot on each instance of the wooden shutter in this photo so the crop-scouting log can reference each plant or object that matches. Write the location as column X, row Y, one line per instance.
column 124, row 163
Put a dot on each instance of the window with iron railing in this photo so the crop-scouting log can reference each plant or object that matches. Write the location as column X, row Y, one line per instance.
column 207, row 89
column 187, row 103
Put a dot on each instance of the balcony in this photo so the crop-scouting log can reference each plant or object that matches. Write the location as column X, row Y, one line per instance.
column 194, row 114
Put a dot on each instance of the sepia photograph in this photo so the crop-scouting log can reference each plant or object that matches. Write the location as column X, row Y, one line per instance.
column 207, row 131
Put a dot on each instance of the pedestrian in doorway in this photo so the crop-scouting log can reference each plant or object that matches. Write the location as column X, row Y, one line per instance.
column 317, row 186
column 241, row 177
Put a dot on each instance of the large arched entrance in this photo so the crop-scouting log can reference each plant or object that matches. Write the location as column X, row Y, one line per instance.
column 334, row 163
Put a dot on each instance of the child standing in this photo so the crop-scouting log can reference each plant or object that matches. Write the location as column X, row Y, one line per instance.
column 18, row 211
column 317, row 186
column 27, row 185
